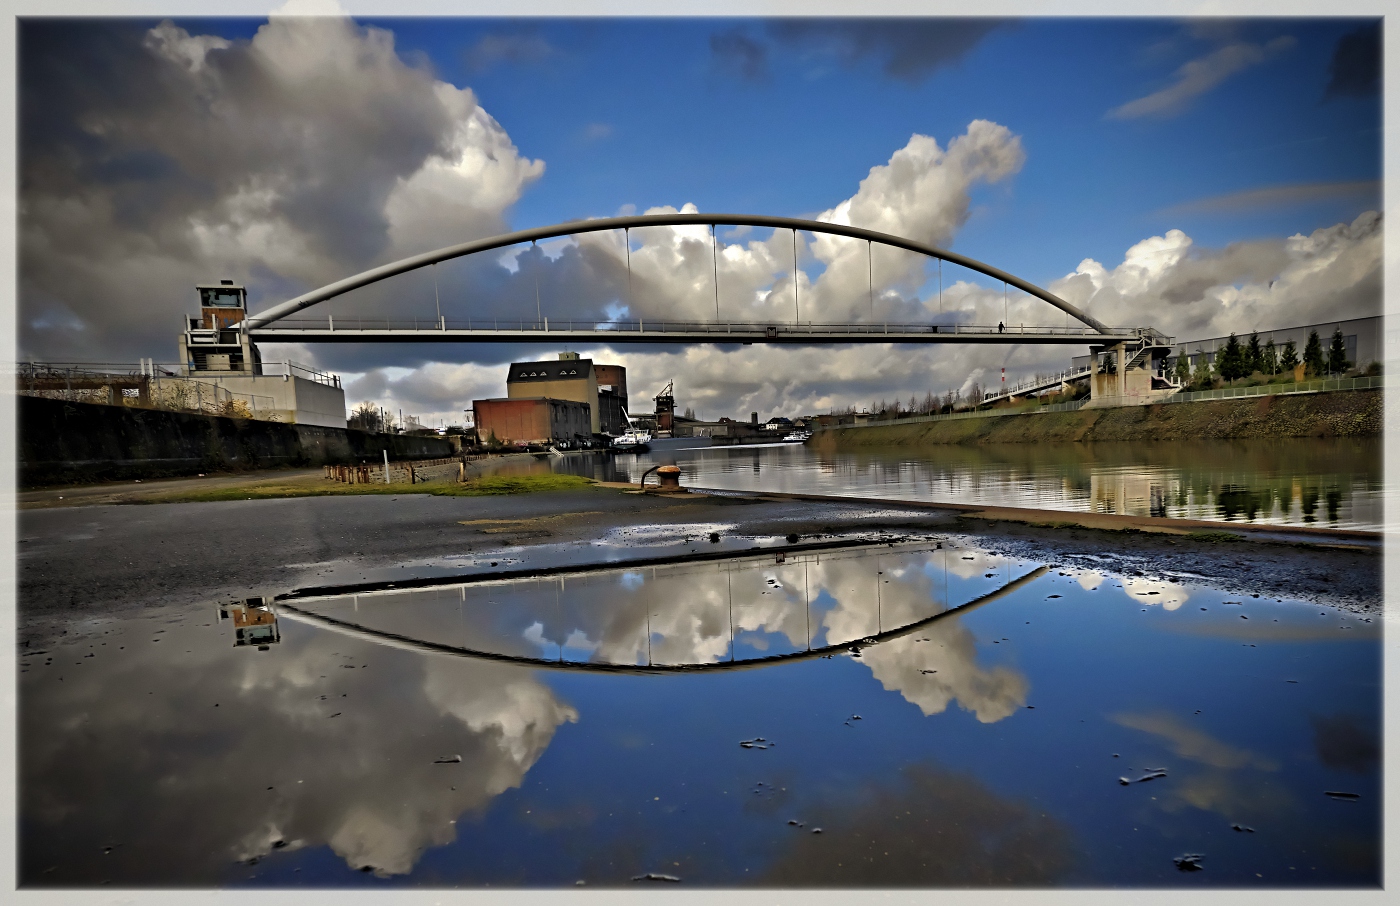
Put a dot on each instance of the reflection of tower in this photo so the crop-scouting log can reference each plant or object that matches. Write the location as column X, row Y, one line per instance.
column 665, row 410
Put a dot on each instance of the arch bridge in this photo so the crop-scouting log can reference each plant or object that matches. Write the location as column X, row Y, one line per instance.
column 277, row 324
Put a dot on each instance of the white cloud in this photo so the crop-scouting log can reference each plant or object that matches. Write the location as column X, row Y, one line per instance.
column 1199, row 76
column 1189, row 292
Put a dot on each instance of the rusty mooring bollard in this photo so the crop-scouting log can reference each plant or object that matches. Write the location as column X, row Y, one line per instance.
column 669, row 477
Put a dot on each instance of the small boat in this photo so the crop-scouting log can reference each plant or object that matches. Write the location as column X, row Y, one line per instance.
column 633, row 440
column 797, row 437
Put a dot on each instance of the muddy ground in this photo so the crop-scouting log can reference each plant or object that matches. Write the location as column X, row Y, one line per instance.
column 87, row 562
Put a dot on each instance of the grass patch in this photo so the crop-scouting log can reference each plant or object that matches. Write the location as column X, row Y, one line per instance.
column 321, row 487
column 1212, row 537
column 491, row 485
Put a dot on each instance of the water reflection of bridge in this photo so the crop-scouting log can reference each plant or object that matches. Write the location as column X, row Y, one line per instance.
column 877, row 603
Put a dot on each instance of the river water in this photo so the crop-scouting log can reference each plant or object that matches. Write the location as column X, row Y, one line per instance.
column 890, row 715
column 1305, row 481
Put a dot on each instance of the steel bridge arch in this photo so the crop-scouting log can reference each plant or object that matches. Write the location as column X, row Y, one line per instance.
column 414, row 262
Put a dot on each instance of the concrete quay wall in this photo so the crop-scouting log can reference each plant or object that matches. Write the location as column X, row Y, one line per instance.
column 76, row 443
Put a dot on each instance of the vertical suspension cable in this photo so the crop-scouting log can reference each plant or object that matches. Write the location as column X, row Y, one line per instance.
column 714, row 248
column 436, row 298
column 796, row 312
column 627, row 244
column 870, row 274
column 940, row 286
column 538, row 316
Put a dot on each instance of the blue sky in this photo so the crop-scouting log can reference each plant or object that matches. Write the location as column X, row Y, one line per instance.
column 641, row 112
column 1240, row 133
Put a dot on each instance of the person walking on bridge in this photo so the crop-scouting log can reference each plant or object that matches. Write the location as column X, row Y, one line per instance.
column 1001, row 327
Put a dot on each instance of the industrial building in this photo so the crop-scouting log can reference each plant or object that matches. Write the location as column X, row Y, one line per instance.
column 538, row 421
column 215, row 351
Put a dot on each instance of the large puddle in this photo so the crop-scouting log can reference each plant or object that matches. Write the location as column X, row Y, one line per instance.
column 892, row 715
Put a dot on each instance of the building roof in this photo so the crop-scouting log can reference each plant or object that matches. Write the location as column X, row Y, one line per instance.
column 568, row 369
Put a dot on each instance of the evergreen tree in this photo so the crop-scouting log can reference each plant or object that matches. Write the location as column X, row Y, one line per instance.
column 1312, row 355
column 1337, row 362
column 1269, row 364
column 1230, row 363
column 1288, row 360
column 1183, row 369
column 1202, row 378
column 1253, row 356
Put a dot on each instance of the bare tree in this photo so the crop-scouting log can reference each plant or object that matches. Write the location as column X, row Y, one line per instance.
column 366, row 417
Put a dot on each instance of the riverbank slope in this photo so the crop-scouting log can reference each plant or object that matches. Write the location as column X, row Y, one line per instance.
column 1350, row 413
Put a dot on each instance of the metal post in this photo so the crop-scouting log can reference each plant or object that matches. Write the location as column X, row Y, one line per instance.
column 386, row 465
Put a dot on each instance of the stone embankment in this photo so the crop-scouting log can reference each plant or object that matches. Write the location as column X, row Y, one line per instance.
column 78, row 443
column 1350, row 413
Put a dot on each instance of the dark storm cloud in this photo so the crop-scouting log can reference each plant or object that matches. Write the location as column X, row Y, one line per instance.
column 908, row 50
column 152, row 159
column 1355, row 70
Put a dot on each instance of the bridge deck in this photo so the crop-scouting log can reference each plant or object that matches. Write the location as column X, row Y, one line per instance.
column 358, row 330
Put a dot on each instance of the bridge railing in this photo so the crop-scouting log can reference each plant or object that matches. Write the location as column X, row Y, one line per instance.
column 1322, row 385
column 958, row 416
column 643, row 325
column 1037, row 383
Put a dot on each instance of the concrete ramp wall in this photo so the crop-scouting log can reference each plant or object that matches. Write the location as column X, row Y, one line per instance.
column 73, row 443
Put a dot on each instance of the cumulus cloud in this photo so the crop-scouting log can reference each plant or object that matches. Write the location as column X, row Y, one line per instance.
column 683, row 273
column 1198, row 76
column 1190, row 292
column 153, row 161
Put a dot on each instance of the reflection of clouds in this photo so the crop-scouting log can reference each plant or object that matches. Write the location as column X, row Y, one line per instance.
column 1219, row 789
column 1197, row 745
column 518, row 713
column 972, row 564
column 929, row 828
column 951, row 651
column 1089, row 580
column 1227, row 795
column 362, row 781
column 1152, row 591
column 685, row 614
